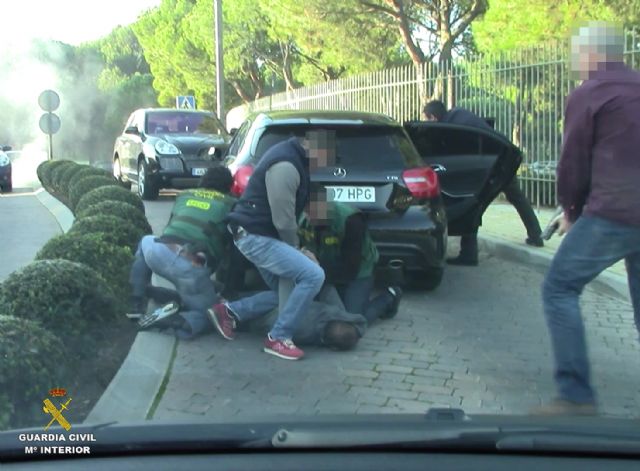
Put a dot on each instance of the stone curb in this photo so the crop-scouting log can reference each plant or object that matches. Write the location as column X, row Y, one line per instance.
column 60, row 212
column 133, row 390
column 607, row 283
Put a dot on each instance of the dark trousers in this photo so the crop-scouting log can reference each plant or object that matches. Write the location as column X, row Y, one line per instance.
column 356, row 297
column 515, row 196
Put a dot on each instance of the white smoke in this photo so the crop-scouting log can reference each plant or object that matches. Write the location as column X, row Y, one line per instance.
column 24, row 75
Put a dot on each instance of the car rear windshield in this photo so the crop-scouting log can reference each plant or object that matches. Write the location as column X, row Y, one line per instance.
column 366, row 147
column 180, row 123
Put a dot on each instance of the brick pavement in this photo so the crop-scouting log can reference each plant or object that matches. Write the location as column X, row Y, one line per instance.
column 501, row 222
column 479, row 342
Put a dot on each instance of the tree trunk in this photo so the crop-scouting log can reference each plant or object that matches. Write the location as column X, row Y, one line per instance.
column 287, row 73
column 240, row 92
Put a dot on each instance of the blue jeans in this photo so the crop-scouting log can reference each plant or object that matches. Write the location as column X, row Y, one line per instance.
column 193, row 283
column 592, row 245
column 356, row 296
column 275, row 259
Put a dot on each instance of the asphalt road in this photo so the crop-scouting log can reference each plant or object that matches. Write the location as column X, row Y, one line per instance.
column 478, row 342
column 26, row 225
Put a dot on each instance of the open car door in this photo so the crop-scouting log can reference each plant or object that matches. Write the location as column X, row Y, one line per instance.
column 474, row 166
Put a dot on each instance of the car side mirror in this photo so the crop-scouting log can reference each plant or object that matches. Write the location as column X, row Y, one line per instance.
column 132, row 130
column 233, row 131
column 6, row 148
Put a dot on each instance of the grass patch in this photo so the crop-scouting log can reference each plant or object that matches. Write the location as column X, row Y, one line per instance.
column 165, row 381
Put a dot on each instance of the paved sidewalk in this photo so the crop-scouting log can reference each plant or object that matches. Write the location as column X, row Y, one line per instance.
column 502, row 223
column 478, row 342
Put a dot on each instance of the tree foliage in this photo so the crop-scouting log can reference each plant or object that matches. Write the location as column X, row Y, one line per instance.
column 511, row 24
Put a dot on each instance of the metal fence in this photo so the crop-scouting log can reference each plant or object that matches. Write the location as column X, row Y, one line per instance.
column 523, row 90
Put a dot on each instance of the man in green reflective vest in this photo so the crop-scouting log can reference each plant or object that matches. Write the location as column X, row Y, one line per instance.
column 337, row 234
column 188, row 252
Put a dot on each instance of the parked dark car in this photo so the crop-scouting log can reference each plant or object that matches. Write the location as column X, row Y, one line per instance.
column 168, row 148
column 411, row 196
column 377, row 169
column 6, row 182
column 473, row 166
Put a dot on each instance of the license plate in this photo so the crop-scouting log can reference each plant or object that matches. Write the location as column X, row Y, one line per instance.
column 198, row 172
column 351, row 194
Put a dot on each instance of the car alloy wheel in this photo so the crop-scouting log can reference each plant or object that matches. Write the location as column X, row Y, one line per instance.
column 117, row 170
column 141, row 179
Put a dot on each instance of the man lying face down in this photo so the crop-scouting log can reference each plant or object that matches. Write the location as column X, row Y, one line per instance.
column 326, row 322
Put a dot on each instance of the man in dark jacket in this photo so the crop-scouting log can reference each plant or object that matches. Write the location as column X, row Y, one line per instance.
column 598, row 188
column 187, row 253
column 264, row 224
column 325, row 323
column 337, row 234
column 436, row 111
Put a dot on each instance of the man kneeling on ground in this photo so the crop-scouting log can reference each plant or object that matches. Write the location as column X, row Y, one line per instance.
column 187, row 253
column 338, row 235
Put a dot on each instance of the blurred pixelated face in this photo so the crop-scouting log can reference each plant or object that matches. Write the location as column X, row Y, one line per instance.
column 430, row 117
column 593, row 47
column 319, row 210
column 321, row 148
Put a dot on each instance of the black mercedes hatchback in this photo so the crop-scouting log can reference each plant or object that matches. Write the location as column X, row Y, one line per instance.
column 379, row 170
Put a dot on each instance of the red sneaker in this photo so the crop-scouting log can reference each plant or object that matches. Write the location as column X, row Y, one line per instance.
column 223, row 321
column 285, row 349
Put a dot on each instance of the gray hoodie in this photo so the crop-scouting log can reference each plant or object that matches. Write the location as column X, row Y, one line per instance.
column 311, row 325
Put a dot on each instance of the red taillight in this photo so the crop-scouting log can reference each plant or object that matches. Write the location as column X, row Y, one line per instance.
column 241, row 179
column 422, row 182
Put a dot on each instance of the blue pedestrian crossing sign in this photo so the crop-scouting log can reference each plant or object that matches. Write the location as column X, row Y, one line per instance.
column 186, row 102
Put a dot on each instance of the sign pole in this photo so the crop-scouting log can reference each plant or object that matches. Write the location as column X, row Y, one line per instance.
column 49, row 121
column 219, row 60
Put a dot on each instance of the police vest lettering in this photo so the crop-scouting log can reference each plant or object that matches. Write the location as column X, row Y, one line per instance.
column 198, row 217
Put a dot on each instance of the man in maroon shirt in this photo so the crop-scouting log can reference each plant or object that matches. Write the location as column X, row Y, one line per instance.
column 599, row 190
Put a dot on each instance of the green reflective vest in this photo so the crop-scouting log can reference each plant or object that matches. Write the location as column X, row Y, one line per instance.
column 198, row 217
column 326, row 241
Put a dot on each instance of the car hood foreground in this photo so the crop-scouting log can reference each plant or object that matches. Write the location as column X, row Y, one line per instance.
column 437, row 430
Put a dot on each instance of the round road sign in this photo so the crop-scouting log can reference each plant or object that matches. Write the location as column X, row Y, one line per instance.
column 49, row 123
column 49, row 100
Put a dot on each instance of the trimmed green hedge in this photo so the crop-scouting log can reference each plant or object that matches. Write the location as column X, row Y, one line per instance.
column 33, row 361
column 40, row 170
column 88, row 171
column 85, row 185
column 115, row 230
column 64, row 296
column 109, row 261
column 65, row 177
column 46, row 168
column 57, row 172
column 119, row 209
column 108, row 193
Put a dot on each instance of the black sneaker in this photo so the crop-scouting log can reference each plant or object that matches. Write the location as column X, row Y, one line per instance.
column 396, row 293
column 137, row 308
column 463, row 261
column 535, row 241
column 163, row 317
